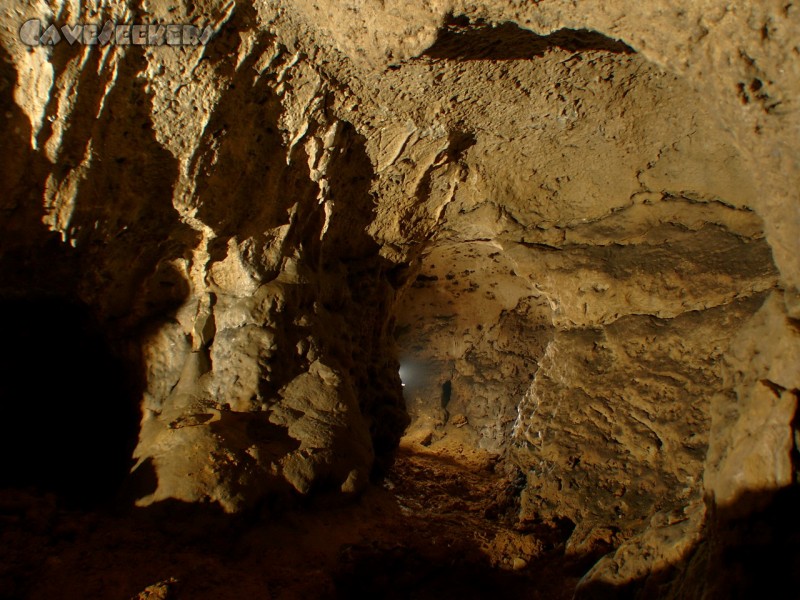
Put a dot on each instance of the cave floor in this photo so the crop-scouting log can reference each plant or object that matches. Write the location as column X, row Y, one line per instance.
column 442, row 523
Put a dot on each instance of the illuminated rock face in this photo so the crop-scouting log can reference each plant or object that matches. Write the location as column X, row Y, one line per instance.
column 575, row 229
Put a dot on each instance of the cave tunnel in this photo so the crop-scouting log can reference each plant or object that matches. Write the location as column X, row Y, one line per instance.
column 524, row 323
column 407, row 306
column 588, row 352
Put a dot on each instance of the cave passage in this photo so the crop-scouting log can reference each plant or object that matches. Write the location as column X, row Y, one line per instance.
column 461, row 321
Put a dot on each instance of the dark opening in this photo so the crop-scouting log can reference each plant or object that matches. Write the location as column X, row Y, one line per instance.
column 447, row 392
column 461, row 39
column 69, row 419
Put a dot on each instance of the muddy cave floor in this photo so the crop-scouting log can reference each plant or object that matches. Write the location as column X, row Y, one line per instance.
column 441, row 523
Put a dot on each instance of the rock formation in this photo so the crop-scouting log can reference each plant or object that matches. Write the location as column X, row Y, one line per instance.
column 562, row 235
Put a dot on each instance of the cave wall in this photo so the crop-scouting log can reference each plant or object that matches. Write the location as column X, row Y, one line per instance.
column 583, row 220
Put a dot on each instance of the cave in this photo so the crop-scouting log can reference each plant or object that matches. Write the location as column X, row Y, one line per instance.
column 360, row 298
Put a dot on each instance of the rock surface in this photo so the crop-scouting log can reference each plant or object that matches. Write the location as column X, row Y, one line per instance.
column 564, row 236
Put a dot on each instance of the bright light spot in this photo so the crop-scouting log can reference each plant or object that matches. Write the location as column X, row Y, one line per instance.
column 412, row 373
column 405, row 373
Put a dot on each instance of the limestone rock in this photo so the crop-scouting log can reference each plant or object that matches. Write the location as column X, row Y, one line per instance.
column 562, row 234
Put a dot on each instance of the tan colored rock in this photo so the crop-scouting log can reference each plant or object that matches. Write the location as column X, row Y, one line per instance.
column 575, row 227
column 663, row 546
column 753, row 436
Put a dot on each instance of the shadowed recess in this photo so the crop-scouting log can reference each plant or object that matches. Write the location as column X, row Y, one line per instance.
column 69, row 422
column 461, row 39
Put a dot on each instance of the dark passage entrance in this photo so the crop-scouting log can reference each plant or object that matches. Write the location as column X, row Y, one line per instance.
column 447, row 392
column 69, row 422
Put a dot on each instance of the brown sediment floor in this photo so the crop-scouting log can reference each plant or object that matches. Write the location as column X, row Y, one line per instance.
column 440, row 524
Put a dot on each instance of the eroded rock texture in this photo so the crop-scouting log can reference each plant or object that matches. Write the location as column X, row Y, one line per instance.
column 571, row 231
